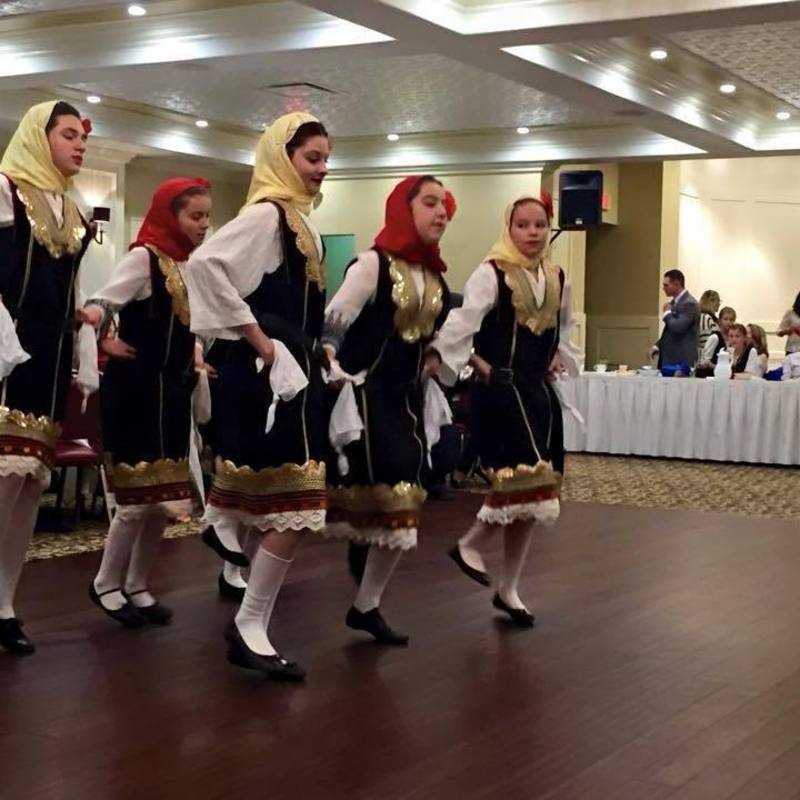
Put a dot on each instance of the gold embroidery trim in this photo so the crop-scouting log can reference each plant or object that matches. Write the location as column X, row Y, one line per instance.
column 413, row 319
column 523, row 477
column 150, row 473
column 26, row 426
column 58, row 241
column 401, row 497
column 173, row 280
column 537, row 319
column 306, row 244
column 308, row 477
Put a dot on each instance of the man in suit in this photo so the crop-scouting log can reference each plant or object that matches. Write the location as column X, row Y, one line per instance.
column 678, row 341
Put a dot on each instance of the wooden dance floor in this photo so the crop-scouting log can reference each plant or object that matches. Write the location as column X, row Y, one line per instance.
column 665, row 664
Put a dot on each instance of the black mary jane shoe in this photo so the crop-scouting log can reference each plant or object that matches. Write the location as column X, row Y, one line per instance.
column 155, row 614
column 372, row 622
column 228, row 590
column 481, row 577
column 276, row 668
column 127, row 616
column 519, row 616
column 13, row 639
column 210, row 538
column 357, row 560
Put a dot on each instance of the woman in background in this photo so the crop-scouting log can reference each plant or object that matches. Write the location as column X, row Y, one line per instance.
column 757, row 336
column 709, row 306
column 790, row 327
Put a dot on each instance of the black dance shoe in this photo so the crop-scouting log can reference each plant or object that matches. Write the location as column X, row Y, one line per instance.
column 357, row 560
column 372, row 622
column 13, row 639
column 127, row 616
column 519, row 616
column 274, row 667
column 209, row 537
column 481, row 577
column 228, row 590
column 156, row 613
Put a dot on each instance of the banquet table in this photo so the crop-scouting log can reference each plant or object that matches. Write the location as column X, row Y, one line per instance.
column 753, row 421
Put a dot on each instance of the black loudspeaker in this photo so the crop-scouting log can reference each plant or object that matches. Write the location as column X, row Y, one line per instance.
column 580, row 199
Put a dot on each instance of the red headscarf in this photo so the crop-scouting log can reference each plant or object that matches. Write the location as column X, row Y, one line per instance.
column 399, row 235
column 160, row 227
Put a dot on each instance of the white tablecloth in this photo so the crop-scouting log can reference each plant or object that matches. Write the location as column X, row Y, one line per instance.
column 754, row 421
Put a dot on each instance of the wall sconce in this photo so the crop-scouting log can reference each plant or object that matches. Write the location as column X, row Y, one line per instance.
column 100, row 214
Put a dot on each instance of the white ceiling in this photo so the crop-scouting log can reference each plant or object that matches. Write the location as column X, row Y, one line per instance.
column 452, row 76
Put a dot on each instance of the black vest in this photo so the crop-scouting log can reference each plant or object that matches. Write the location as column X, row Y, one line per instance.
column 507, row 345
column 161, row 340
column 373, row 343
column 741, row 363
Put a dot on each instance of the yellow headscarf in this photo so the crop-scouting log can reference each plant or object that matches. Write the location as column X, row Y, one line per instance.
column 274, row 176
column 27, row 157
column 504, row 251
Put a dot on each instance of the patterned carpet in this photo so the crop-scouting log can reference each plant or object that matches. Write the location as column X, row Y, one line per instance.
column 613, row 480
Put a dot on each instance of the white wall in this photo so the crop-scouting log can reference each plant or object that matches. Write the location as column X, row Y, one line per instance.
column 739, row 233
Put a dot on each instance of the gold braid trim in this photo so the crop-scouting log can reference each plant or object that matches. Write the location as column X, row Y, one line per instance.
column 58, row 241
column 402, row 497
column 270, row 480
column 150, row 473
column 176, row 287
column 19, row 425
column 413, row 319
column 306, row 244
column 537, row 319
column 523, row 477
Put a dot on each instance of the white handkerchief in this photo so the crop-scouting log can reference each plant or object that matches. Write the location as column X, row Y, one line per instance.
column 345, row 426
column 436, row 414
column 567, row 406
column 11, row 352
column 88, row 375
column 201, row 399
column 286, row 379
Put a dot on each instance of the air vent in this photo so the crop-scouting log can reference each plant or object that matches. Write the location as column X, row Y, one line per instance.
column 298, row 89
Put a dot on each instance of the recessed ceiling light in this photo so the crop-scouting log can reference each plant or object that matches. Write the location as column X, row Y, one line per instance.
column 728, row 88
column 783, row 116
column 393, row 137
column 136, row 10
column 658, row 54
column 201, row 123
column 93, row 99
column 522, row 130
column 580, row 58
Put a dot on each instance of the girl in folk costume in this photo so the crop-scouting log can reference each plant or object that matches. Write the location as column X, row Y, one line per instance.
column 257, row 287
column 517, row 310
column 42, row 240
column 146, row 396
column 391, row 302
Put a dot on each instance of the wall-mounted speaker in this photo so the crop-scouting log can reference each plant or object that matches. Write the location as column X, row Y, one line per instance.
column 580, row 199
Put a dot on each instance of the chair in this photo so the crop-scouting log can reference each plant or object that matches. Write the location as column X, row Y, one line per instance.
column 73, row 453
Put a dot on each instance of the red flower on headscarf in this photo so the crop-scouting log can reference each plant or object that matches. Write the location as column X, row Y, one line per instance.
column 399, row 235
column 87, row 125
column 546, row 202
column 450, row 204
column 160, row 227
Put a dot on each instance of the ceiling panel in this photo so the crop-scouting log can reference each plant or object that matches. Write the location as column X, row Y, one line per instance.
column 16, row 7
column 404, row 94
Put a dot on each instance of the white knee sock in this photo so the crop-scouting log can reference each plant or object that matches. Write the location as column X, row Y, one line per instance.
column 145, row 552
column 17, row 535
column 468, row 544
column 228, row 532
column 116, row 554
column 249, row 542
column 233, row 575
column 266, row 578
column 517, row 541
column 380, row 565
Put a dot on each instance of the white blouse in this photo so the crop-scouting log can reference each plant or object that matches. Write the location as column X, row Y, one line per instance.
column 55, row 200
column 230, row 266
column 453, row 342
column 130, row 281
column 358, row 289
column 753, row 367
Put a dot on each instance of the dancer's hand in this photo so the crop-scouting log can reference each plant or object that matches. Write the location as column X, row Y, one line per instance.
column 116, row 348
column 200, row 363
column 557, row 367
column 431, row 364
column 483, row 369
column 90, row 315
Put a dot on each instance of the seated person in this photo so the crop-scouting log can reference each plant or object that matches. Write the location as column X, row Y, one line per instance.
column 791, row 366
column 744, row 359
column 715, row 342
column 757, row 337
